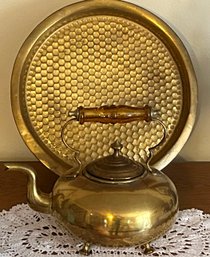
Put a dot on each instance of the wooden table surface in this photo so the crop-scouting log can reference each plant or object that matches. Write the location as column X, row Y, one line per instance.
column 192, row 180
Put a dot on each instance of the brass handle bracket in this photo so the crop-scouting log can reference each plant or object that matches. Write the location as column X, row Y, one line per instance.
column 152, row 149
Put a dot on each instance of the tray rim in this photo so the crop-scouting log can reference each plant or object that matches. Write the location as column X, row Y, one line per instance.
column 49, row 159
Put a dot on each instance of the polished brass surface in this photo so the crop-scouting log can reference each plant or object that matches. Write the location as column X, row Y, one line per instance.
column 97, row 53
column 112, row 114
column 109, row 214
column 114, row 215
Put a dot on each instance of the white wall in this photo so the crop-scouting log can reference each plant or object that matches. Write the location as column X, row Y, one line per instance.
column 189, row 18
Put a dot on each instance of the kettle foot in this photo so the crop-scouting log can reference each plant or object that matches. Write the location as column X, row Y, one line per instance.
column 86, row 249
column 148, row 249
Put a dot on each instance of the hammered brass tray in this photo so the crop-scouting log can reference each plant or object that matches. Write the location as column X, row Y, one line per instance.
column 97, row 53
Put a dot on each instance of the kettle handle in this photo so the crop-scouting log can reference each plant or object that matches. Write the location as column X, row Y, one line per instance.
column 112, row 114
column 108, row 114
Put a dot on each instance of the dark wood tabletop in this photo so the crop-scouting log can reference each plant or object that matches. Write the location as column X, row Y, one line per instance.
column 192, row 180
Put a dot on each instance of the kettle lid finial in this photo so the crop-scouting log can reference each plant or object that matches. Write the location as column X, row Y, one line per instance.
column 116, row 146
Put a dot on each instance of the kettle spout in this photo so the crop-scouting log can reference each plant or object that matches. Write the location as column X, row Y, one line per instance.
column 37, row 200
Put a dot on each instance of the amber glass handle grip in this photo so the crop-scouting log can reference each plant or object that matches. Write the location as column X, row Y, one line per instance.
column 112, row 114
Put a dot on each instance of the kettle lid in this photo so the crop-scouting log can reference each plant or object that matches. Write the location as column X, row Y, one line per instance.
column 114, row 168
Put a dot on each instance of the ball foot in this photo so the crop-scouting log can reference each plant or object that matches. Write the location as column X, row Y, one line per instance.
column 86, row 249
column 148, row 249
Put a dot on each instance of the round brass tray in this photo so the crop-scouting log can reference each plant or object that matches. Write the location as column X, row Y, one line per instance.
column 97, row 53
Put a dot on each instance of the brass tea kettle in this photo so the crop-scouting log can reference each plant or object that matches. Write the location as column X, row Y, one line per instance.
column 112, row 201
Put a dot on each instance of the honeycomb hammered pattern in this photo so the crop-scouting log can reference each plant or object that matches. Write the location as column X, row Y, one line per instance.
column 95, row 61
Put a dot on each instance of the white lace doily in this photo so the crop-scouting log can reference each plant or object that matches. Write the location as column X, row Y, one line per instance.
column 24, row 233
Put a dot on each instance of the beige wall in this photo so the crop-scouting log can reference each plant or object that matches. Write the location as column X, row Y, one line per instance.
column 189, row 18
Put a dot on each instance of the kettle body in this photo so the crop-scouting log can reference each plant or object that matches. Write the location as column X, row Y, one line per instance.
column 119, row 214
